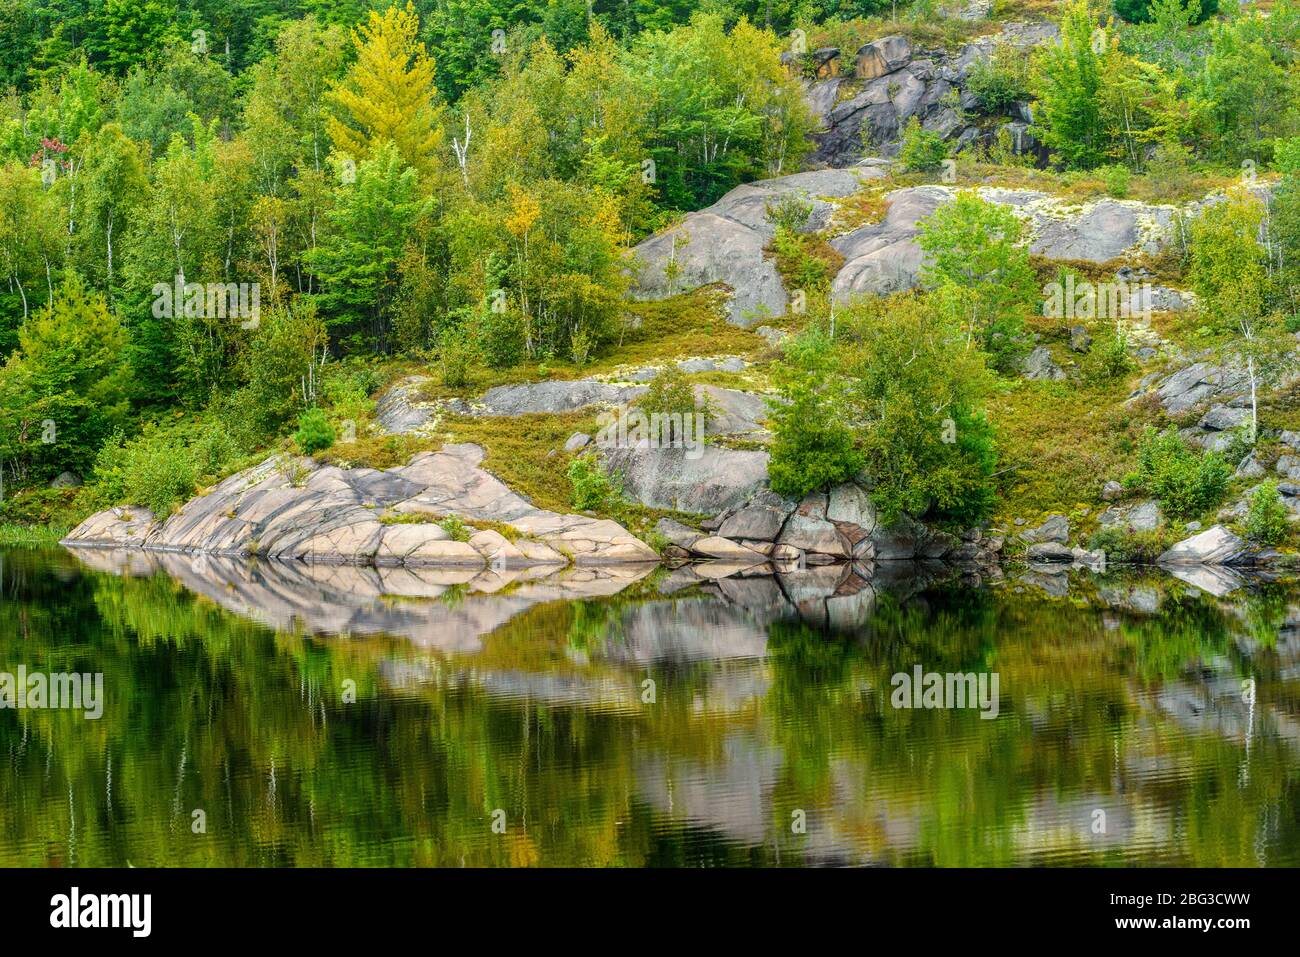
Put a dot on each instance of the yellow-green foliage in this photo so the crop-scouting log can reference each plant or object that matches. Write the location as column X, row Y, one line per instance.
column 377, row 451
column 1062, row 443
column 526, row 451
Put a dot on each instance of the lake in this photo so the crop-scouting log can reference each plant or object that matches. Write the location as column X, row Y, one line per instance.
column 256, row 714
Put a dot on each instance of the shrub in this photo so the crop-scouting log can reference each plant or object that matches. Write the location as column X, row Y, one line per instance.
column 455, row 528
column 1116, row 179
column 1001, row 80
column 502, row 338
column 1130, row 548
column 922, row 151
column 155, row 469
column 592, row 486
column 581, row 347
column 1266, row 518
column 671, row 396
column 789, row 212
column 314, row 432
column 813, row 446
column 1141, row 11
column 455, row 352
column 213, row 449
column 1171, row 166
column 1108, row 357
column 1185, row 482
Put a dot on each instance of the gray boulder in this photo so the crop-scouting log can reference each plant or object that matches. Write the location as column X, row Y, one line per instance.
column 1056, row 528
column 1214, row 546
column 725, row 242
column 812, row 535
column 1039, row 365
column 849, row 503
column 1199, row 382
column 678, row 534
column 680, row 479
column 1141, row 517
column 1050, row 552
column 883, row 56
column 1222, row 417
column 757, row 522
column 901, row 541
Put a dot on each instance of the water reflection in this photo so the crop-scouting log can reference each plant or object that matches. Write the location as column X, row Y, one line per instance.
column 640, row 716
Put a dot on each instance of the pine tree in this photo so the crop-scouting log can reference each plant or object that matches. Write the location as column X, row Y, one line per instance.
column 389, row 94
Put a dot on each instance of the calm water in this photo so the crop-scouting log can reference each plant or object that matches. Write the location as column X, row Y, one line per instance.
column 528, row 702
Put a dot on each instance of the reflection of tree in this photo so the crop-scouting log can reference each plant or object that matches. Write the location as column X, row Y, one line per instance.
column 206, row 710
column 1190, row 629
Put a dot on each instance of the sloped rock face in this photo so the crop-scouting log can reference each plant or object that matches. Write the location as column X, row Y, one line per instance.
column 884, row 257
column 724, row 243
column 709, row 482
column 401, row 409
column 334, row 517
column 866, row 102
column 734, row 412
column 554, row 396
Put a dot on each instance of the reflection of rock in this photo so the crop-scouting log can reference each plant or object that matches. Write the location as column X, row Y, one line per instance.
column 730, row 792
column 687, row 629
column 1215, row 580
column 333, row 515
column 449, row 609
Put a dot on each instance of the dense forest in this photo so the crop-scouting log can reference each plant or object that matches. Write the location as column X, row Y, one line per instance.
column 224, row 226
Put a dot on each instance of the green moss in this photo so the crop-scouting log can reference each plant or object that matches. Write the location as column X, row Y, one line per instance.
column 1060, row 443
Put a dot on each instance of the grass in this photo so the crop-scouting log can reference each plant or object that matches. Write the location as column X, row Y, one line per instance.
column 1087, row 186
column 527, row 453
column 12, row 534
column 866, row 207
column 690, row 324
column 377, row 451
column 1061, row 442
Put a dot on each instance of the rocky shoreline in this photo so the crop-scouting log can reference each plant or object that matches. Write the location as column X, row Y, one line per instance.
column 442, row 510
column 295, row 509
